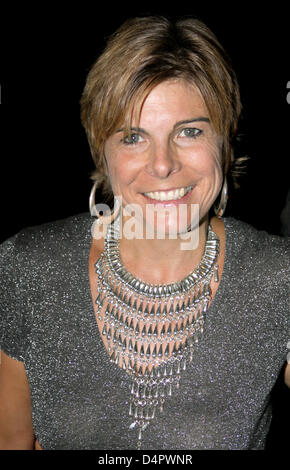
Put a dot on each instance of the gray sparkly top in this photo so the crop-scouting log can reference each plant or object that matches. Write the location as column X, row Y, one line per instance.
column 80, row 399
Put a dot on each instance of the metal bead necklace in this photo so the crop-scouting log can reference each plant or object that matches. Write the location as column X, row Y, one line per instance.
column 151, row 329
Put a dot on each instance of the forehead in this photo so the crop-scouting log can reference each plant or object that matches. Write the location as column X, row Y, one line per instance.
column 172, row 99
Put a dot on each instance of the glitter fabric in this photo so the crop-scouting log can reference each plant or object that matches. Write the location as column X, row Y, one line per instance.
column 80, row 399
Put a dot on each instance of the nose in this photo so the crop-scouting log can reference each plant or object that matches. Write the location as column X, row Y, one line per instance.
column 163, row 161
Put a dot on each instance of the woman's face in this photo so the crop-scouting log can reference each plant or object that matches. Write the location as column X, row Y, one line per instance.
column 172, row 157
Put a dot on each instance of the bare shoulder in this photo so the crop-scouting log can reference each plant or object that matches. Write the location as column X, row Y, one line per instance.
column 16, row 430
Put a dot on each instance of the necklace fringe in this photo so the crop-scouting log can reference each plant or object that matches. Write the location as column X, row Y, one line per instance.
column 152, row 329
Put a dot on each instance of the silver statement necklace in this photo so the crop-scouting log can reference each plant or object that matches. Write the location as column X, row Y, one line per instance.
column 152, row 329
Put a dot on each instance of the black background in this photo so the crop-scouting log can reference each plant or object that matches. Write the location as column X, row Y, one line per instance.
column 47, row 52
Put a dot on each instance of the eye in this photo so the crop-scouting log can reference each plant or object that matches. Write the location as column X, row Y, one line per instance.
column 132, row 139
column 191, row 132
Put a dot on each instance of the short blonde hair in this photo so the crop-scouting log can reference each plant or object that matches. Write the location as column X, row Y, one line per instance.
column 142, row 53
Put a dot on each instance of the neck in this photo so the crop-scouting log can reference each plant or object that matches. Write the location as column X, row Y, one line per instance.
column 161, row 261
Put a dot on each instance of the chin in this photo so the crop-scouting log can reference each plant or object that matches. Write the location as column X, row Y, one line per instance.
column 170, row 228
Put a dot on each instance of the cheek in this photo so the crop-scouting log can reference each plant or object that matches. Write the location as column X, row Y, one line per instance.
column 122, row 171
column 206, row 161
column 113, row 164
column 215, row 165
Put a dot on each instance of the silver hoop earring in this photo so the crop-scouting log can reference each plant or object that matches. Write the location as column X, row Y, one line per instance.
column 221, row 207
column 103, row 219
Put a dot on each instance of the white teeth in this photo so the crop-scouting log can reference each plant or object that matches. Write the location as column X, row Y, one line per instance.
column 170, row 195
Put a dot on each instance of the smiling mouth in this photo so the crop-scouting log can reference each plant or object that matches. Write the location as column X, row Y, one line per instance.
column 171, row 195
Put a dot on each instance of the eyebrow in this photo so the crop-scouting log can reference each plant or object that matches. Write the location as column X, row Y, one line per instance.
column 188, row 121
column 177, row 124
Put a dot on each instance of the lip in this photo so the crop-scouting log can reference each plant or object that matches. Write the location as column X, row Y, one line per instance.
column 167, row 189
column 170, row 201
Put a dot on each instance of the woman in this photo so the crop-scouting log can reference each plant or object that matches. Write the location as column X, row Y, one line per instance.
column 181, row 336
